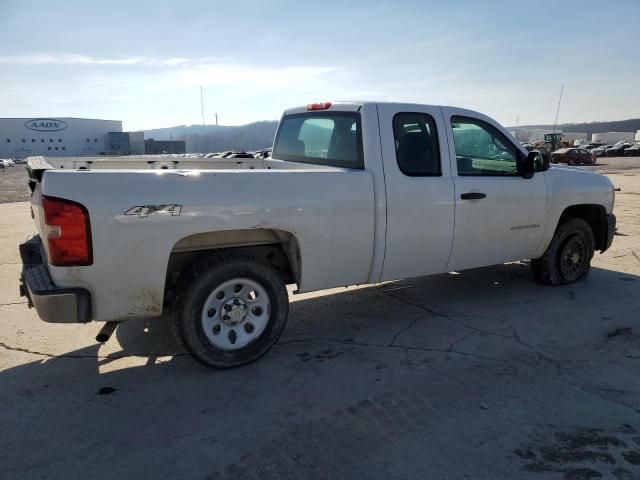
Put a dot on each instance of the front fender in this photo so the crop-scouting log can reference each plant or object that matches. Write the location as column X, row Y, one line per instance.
column 572, row 187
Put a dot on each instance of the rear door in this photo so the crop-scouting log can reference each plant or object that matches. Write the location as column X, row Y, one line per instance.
column 499, row 215
column 574, row 155
column 419, row 190
column 585, row 156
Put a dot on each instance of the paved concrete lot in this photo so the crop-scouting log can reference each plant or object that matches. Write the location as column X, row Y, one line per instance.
column 477, row 375
column 13, row 184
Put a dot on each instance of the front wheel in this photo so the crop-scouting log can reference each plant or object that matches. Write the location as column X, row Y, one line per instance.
column 568, row 257
column 230, row 310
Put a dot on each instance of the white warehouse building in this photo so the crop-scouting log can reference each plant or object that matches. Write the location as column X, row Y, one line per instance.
column 59, row 136
column 612, row 137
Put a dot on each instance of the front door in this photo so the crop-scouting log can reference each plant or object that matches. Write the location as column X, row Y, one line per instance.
column 419, row 190
column 499, row 215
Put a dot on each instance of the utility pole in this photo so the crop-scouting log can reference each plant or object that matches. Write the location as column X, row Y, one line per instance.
column 558, row 109
column 202, row 105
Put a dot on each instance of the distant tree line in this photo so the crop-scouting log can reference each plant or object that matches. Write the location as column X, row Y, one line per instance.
column 257, row 135
column 631, row 125
column 218, row 138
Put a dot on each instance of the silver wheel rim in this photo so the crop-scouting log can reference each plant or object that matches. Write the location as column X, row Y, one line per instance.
column 235, row 313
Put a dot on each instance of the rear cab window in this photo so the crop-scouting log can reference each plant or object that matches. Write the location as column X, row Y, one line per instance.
column 320, row 138
column 416, row 141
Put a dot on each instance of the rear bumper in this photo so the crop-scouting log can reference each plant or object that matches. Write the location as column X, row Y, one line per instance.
column 611, row 230
column 53, row 304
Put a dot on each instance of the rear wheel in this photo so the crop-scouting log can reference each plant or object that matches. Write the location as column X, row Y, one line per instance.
column 230, row 310
column 568, row 257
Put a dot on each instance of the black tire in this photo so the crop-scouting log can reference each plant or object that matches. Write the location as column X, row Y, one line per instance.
column 568, row 257
column 196, row 285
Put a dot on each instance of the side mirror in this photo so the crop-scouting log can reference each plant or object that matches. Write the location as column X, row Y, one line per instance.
column 527, row 165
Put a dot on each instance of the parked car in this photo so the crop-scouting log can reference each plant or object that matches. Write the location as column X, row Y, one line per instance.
column 7, row 162
column 599, row 151
column 632, row 151
column 240, row 155
column 616, row 150
column 369, row 197
column 266, row 153
column 573, row 156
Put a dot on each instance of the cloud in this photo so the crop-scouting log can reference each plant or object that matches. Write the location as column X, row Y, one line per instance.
column 250, row 77
column 156, row 91
column 77, row 59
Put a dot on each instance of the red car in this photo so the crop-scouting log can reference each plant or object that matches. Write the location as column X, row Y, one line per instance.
column 573, row 156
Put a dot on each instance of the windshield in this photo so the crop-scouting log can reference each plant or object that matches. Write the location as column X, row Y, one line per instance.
column 327, row 138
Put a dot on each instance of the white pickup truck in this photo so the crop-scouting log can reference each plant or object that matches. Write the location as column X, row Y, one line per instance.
column 355, row 193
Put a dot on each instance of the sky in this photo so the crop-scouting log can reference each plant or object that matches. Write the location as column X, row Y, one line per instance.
column 144, row 62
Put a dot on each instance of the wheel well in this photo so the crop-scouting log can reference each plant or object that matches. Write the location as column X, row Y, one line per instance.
column 279, row 248
column 594, row 215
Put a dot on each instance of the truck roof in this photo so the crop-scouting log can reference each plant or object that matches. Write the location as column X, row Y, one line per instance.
column 350, row 106
column 356, row 105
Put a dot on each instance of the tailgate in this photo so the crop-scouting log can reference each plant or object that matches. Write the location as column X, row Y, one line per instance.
column 36, row 166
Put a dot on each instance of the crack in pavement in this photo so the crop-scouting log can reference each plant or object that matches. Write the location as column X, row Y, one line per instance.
column 404, row 330
column 599, row 393
column 13, row 303
column 460, row 340
column 412, row 324
column 407, row 349
column 615, row 390
column 541, row 356
column 437, row 314
column 98, row 357
column 331, row 341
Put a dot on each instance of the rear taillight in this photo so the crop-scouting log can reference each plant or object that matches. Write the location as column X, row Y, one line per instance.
column 68, row 232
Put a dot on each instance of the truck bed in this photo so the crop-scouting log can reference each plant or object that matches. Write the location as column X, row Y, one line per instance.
column 161, row 162
column 318, row 206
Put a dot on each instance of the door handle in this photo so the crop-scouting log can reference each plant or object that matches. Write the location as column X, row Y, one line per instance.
column 473, row 196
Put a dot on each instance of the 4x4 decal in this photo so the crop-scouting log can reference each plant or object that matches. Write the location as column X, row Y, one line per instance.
column 143, row 211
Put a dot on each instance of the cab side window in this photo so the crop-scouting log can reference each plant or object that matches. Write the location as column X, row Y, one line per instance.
column 481, row 149
column 416, row 139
